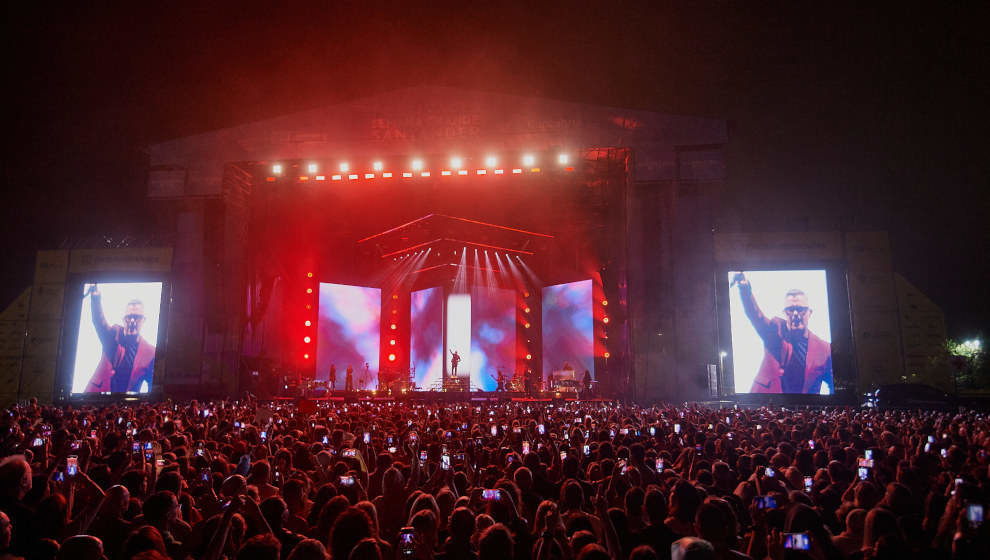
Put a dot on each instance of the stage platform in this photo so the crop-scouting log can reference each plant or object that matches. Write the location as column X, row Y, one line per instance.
column 447, row 397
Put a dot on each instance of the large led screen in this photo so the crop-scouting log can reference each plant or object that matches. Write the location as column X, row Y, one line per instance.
column 568, row 330
column 493, row 336
column 458, row 325
column 118, row 332
column 781, row 336
column 349, row 335
column 426, row 337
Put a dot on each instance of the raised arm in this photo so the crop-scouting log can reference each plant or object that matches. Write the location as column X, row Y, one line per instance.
column 99, row 319
column 760, row 321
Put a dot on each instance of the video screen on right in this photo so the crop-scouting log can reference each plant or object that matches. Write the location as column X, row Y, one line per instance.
column 780, row 330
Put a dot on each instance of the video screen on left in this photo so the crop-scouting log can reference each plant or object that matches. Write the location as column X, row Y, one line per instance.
column 117, row 338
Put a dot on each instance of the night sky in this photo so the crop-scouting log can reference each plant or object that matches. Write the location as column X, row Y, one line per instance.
column 841, row 115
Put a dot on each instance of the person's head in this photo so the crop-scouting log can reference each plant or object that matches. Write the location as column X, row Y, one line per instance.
column 643, row 552
column 496, row 543
column 880, row 522
column 274, row 511
column 462, row 523
column 133, row 317
column 424, row 522
column 796, row 310
column 15, row 476
column 81, row 547
column 855, row 521
column 692, row 548
column 143, row 539
column 160, row 509
column 655, row 505
column 593, row 551
column 5, row 531
column 350, row 527
column 367, row 549
column 260, row 547
column 711, row 524
column 309, row 549
column 581, row 539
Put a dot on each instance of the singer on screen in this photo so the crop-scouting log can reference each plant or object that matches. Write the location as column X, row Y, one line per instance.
column 795, row 360
column 128, row 359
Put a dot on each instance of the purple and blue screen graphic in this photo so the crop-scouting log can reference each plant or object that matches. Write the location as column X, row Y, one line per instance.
column 568, row 328
column 426, row 339
column 349, row 333
column 493, row 336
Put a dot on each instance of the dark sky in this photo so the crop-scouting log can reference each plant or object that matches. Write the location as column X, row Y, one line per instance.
column 863, row 116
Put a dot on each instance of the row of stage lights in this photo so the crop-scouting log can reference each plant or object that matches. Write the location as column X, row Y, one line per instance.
column 528, row 162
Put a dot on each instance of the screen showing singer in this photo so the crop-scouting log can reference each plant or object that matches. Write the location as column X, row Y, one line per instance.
column 118, row 333
column 781, row 340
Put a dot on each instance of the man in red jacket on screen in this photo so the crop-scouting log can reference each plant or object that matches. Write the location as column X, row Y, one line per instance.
column 794, row 359
column 128, row 359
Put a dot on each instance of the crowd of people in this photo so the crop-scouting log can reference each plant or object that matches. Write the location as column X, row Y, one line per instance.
column 250, row 480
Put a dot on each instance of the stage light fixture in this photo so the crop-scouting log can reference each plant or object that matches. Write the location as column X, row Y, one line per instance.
column 391, row 342
column 529, row 356
column 393, row 326
column 306, row 356
column 605, row 320
column 456, row 163
column 277, row 169
column 490, row 161
column 309, row 290
column 309, row 323
column 391, row 357
column 605, row 302
column 525, row 294
column 526, row 325
column 309, row 306
column 311, row 168
column 563, row 159
column 529, row 160
column 417, row 165
column 309, row 275
column 526, row 310
column 378, row 166
column 395, row 296
column 344, row 167
column 307, row 339
column 607, row 355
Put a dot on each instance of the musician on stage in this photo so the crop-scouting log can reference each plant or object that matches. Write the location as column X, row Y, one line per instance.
column 349, row 379
column 501, row 382
column 333, row 377
column 366, row 376
column 586, row 381
column 455, row 359
column 528, row 381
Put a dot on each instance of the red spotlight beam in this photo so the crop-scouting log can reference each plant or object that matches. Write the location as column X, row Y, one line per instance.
column 396, row 228
column 507, row 228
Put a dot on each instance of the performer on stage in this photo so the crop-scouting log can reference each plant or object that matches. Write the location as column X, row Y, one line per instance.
column 349, row 380
column 333, row 377
column 528, row 381
column 794, row 359
column 128, row 359
column 455, row 359
column 586, row 381
column 366, row 376
column 500, row 380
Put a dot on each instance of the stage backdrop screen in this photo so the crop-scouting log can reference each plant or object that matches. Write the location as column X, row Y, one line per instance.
column 568, row 329
column 118, row 333
column 426, row 337
column 780, row 330
column 493, row 336
column 349, row 334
